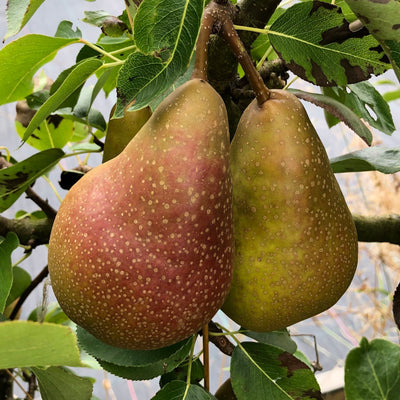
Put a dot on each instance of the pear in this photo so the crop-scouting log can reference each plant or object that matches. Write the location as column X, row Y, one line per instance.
column 225, row 391
column 120, row 131
column 295, row 239
column 141, row 250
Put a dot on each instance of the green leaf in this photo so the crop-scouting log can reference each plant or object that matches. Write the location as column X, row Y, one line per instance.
column 392, row 50
column 65, row 30
column 181, row 373
column 372, row 371
column 165, row 37
column 178, row 390
column 7, row 246
column 306, row 38
column 28, row 344
column 16, row 179
column 96, row 18
column 381, row 18
column 53, row 132
column 19, row 13
column 61, row 384
column 73, row 81
column 392, row 95
column 33, row 52
column 54, row 314
column 338, row 110
column 21, row 280
column 134, row 364
column 279, row 339
column 362, row 98
column 377, row 158
column 261, row 371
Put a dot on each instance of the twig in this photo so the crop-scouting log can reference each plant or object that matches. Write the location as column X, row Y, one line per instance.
column 206, row 358
column 32, row 286
column 222, row 342
column 32, row 386
column 28, row 396
column 236, row 45
column 43, row 204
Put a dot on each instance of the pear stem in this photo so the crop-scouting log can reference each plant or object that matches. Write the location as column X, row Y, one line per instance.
column 200, row 65
column 206, row 358
column 230, row 35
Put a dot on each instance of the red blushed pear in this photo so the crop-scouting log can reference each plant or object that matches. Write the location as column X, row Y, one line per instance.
column 141, row 250
column 295, row 239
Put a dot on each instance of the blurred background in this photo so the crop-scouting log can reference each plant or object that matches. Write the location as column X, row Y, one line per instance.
column 365, row 310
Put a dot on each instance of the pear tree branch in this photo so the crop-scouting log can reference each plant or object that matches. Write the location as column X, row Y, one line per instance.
column 31, row 232
column 378, row 228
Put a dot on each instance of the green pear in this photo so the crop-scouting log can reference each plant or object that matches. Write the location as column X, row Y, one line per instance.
column 120, row 131
column 141, row 250
column 295, row 240
column 225, row 391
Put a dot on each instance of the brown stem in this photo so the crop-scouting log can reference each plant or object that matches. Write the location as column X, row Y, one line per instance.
column 200, row 66
column 32, row 286
column 32, row 386
column 43, row 204
column 237, row 47
column 206, row 358
column 222, row 342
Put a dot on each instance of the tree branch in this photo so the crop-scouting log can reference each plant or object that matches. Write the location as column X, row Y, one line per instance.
column 31, row 232
column 32, row 286
column 222, row 342
column 378, row 228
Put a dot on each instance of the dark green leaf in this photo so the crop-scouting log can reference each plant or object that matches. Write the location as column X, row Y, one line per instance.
column 48, row 344
column 181, row 371
column 73, row 81
column 7, row 246
column 339, row 110
column 165, row 37
column 306, row 38
column 375, row 158
column 279, row 339
column 33, row 52
column 16, row 179
column 134, row 364
column 361, row 98
column 177, row 390
column 21, row 280
column 65, row 30
column 19, row 13
column 61, row 384
column 261, row 371
column 372, row 371
column 381, row 18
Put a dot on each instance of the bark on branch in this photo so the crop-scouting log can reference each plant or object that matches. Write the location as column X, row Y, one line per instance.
column 30, row 232
column 378, row 228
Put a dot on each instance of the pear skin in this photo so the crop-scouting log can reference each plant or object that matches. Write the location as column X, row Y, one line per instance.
column 120, row 131
column 141, row 251
column 296, row 244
